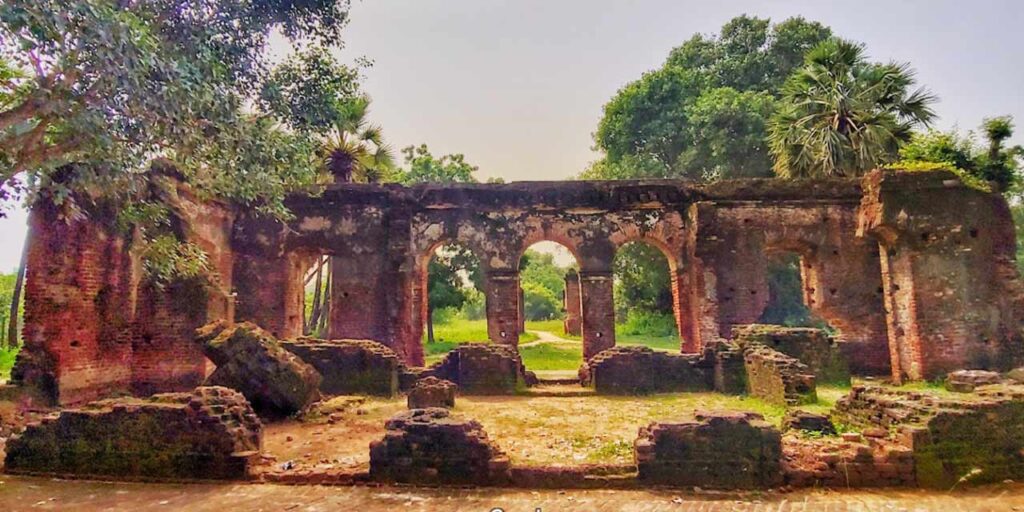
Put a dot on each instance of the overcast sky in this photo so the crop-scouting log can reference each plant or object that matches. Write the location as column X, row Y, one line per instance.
column 518, row 85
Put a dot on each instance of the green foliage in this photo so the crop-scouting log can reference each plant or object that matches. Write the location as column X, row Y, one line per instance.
column 540, row 303
column 166, row 258
column 113, row 84
column 6, row 296
column 648, row 324
column 642, row 281
column 447, row 273
column 703, row 114
column 840, row 115
column 423, row 167
column 977, row 165
column 7, row 356
column 785, row 294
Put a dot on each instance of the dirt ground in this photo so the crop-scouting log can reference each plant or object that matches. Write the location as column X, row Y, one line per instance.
column 533, row 430
column 34, row 494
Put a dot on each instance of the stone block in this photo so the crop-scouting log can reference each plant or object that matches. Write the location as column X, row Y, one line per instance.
column 350, row 367
column 210, row 433
column 728, row 450
column 432, row 392
column 430, row 446
column 275, row 381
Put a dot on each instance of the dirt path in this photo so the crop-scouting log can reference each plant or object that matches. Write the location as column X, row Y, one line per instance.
column 20, row 493
column 546, row 337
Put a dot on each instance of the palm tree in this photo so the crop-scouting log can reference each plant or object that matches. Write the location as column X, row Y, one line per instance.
column 356, row 151
column 843, row 116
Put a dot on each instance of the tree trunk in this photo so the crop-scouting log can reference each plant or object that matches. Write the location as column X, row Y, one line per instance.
column 325, row 304
column 430, row 322
column 314, row 313
column 13, row 323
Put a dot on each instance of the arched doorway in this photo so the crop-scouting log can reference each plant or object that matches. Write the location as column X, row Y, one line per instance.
column 549, row 284
column 454, row 305
column 645, row 297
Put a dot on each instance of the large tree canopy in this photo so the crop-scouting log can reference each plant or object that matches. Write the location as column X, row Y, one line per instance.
column 841, row 115
column 113, row 84
column 703, row 114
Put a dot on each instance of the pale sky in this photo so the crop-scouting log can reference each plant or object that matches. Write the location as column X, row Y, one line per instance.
column 518, row 85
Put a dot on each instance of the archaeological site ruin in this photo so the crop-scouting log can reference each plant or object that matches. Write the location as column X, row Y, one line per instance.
column 914, row 272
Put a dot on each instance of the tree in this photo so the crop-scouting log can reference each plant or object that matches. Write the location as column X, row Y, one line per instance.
column 423, row 167
column 114, row 84
column 642, row 280
column 842, row 116
column 703, row 114
column 991, row 162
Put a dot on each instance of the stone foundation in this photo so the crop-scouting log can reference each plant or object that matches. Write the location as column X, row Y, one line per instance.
column 429, row 446
column 796, row 419
column 350, row 367
column 432, row 392
column 481, row 369
column 977, row 438
column 812, row 347
column 716, row 450
column 211, row 433
column 248, row 359
column 965, row 381
column 778, row 378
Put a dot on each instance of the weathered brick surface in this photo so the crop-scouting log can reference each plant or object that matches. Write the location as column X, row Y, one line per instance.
column 432, row 392
column 948, row 271
column 838, row 464
column 978, row 437
column 430, row 446
column 778, row 378
column 812, row 347
column 796, row 419
column 250, row 360
column 210, row 433
column 717, row 450
column 350, row 367
column 914, row 270
column 481, row 369
column 639, row 370
column 571, row 304
column 965, row 381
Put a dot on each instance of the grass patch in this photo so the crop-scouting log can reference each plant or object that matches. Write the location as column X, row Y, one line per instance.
column 7, row 362
column 666, row 343
column 456, row 332
column 556, row 327
column 552, row 356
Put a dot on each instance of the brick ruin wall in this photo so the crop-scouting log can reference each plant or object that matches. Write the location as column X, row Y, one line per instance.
column 933, row 252
column 208, row 434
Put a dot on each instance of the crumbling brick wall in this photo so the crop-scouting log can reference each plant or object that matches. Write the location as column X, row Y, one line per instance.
column 641, row 370
column 481, row 369
column 947, row 267
column 778, row 378
column 210, row 433
column 812, row 347
column 714, row 450
column 350, row 367
column 977, row 437
column 430, row 446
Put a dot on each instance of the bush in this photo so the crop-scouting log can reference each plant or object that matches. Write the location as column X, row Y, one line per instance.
column 444, row 315
column 473, row 308
column 648, row 323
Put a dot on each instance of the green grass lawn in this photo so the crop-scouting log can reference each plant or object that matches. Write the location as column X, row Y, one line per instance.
column 543, row 357
column 7, row 362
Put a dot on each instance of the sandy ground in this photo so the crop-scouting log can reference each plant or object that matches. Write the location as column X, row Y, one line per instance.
column 533, row 430
column 32, row 494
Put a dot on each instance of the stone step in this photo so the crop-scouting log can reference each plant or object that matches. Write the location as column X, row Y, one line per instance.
column 558, row 381
column 565, row 390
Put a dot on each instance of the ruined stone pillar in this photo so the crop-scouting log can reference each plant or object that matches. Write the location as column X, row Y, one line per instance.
column 268, row 278
column 571, row 304
column 503, row 306
column 947, row 272
column 598, row 304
